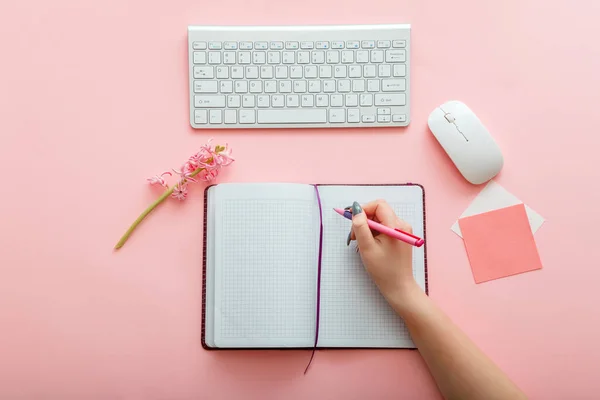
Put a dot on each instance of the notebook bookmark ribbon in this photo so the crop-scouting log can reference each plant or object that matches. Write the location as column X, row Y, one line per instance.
column 320, row 256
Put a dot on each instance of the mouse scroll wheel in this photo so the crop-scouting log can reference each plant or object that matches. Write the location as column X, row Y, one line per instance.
column 450, row 118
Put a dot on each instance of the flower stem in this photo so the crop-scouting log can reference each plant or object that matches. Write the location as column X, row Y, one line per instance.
column 148, row 210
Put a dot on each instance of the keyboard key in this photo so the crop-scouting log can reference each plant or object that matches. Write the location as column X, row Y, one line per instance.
column 230, row 45
column 325, row 71
column 384, row 44
column 306, row 45
column 333, row 57
column 266, row 72
column 248, row 101
column 368, row 118
column 281, row 72
column 343, row 85
column 337, row 115
column 200, row 116
column 400, row 70
column 337, row 45
column 329, row 86
column 274, row 57
column 270, row 87
column 261, row 45
column 296, row 71
column 259, row 57
column 247, row 117
column 310, row 71
column 373, row 85
column 336, row 100
column 199, row 57
column 214, row 57
column 384, row 111
column 199, row 45
column 215, row 117
column 322, row 45
column 246, row 45
column 322, row 100
column 340, row 71
column 353, row 115
column 251, row 72
column 278, row 100
column 362, row 56
column 347, row 57
column 214, row 45
column 241, row 86
column 393, row 85
column 292, row 45
column 256, row 86
column 230, row 116
column 399, row 118
column 384, row 71
column 390, row 99
column 204, row 72
column 226, row 87
column 366, row 100
column 289, row 57
column 399, row 43
column 285, row 86
column 244, row 57
column 307, row 100
column 222, row 72
column 351, row 100
column 314, row 86
column 368, row 44
column 383, row 118
column 277, row 45
column 263, row 101
column 318, row 57
column 302, row 116
column 205, row 86
column 355, row 71
column 395, row 56
column 229, row 57
column 299, row 86
column 352, row 44
column 237, row 72
column 376, row 56
column 303, row 57
column 369, row 71
column 292, row 100
column 234, row 101
column 358, row 85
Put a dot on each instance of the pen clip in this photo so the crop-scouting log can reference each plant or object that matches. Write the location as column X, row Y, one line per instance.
column 408, row 234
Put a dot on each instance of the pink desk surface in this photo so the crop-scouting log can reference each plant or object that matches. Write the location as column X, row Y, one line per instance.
column 93, row 98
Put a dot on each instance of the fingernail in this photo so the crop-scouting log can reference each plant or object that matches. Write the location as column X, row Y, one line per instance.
column 356, row 208
column 349, row 238
column 348, row 208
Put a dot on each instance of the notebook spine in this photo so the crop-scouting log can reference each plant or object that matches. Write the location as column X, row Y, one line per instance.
column 204, row 229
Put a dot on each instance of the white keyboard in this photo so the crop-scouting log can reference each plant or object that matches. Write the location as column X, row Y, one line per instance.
column 299, row 76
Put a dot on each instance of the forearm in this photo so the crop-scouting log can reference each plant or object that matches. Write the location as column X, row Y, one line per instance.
column 459, row 368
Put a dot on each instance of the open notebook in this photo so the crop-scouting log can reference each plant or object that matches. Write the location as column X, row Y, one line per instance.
column 261, row 244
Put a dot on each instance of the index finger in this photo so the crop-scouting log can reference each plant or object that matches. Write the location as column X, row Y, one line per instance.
column 382, row 211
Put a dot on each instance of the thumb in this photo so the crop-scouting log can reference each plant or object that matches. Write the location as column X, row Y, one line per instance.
column 363, row 234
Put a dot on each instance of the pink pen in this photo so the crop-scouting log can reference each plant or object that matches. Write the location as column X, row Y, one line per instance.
column 394, row 233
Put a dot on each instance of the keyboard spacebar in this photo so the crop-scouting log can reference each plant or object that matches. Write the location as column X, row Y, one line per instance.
column 312, row 116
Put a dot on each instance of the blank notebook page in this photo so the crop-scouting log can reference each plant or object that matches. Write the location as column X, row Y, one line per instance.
column 266, row 249
column 353, row 312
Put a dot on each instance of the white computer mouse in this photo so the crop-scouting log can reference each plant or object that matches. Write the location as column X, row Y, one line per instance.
column 467, row 142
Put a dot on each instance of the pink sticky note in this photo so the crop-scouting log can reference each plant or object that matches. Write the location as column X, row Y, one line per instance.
column 499, row 243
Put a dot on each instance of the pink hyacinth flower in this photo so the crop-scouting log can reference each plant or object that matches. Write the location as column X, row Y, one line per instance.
column 180, row 192
column 223, row 158
column 158, row 179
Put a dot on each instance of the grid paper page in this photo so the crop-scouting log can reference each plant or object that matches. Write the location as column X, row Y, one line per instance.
column 353, row 312
column 266, row 250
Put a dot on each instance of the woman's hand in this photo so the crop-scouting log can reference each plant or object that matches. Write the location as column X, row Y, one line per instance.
column 388, row 261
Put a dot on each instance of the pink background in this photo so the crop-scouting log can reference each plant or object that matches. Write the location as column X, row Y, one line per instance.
column 93, row 99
